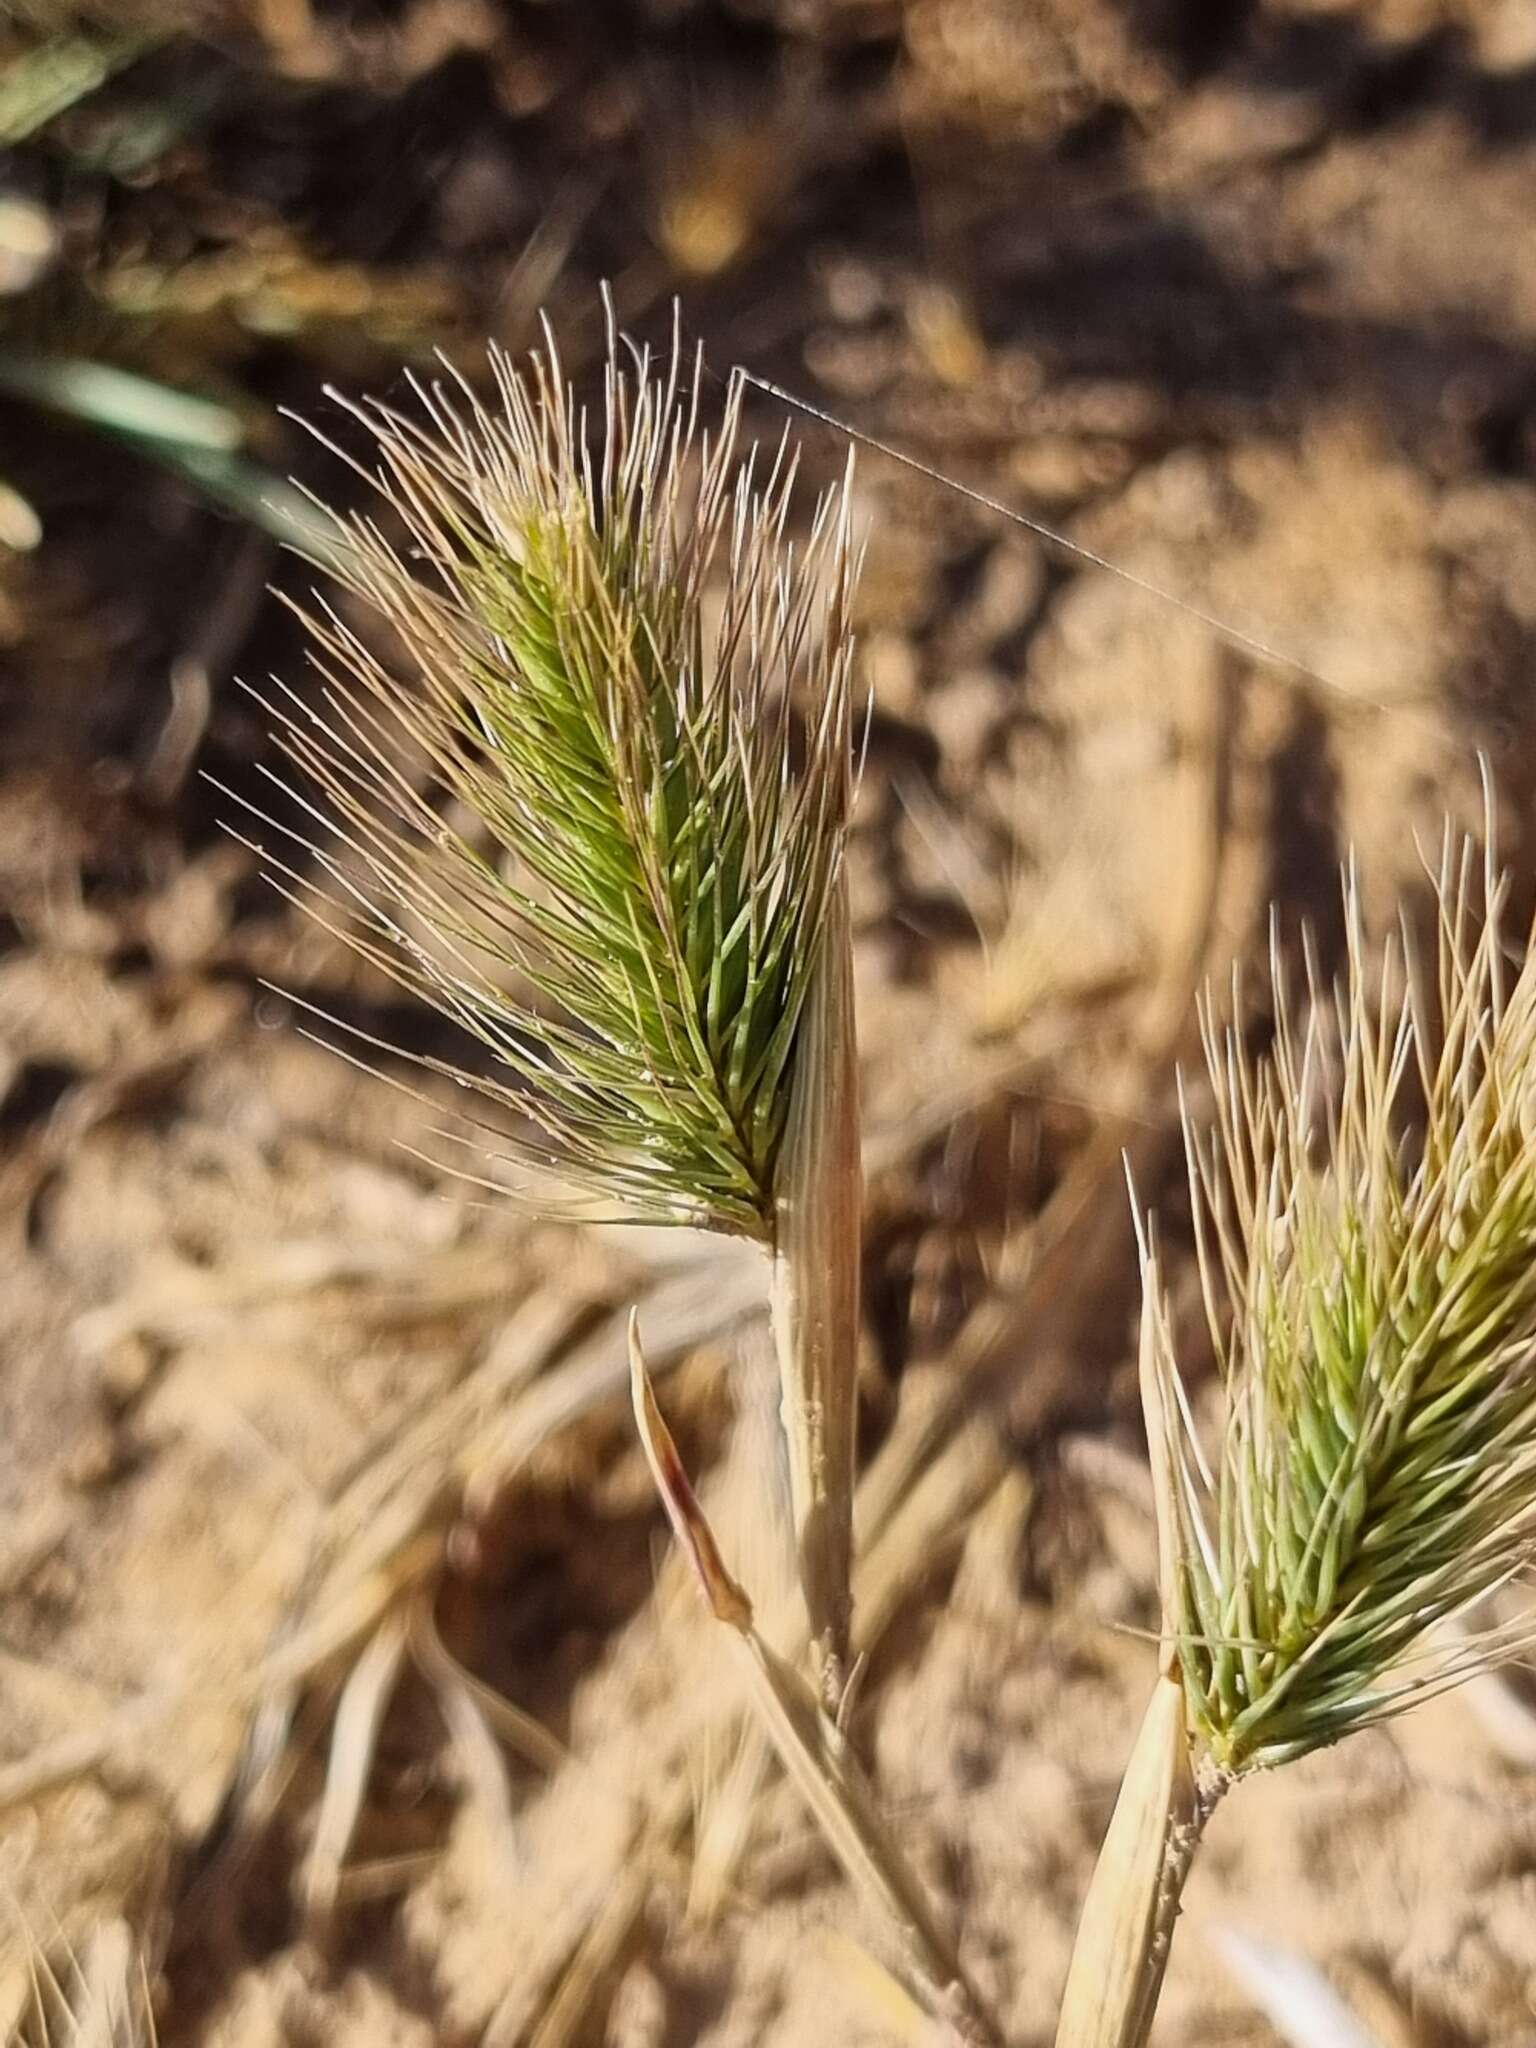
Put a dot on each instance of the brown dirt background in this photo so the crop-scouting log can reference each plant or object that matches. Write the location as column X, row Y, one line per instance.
column 1240, row 294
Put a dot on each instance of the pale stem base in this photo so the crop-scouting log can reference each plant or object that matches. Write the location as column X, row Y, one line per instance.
column 1128, row 1917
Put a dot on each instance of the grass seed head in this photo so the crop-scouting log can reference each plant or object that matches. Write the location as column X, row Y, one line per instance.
column 621, row 670
column 1366, row 1219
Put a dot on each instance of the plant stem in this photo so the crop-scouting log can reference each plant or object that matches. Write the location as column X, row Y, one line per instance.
column 814, row 1753
column 1128, row 1917
column 814, row 1296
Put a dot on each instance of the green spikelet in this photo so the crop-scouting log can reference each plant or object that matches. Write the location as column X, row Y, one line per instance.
column 1366, row 1209
column 622, row 672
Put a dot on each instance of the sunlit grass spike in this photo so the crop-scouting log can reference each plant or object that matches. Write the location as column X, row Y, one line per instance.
column 600, row 825
column 1372, row 1192
column 1365, row 1219
column 610, row 642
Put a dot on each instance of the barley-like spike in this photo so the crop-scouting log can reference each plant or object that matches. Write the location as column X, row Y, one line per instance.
column 1368, row 1258
column 605, row 636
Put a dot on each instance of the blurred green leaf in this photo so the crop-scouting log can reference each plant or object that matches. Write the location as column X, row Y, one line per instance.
column 118, row 401
column 38, row 86
column 192, row 437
